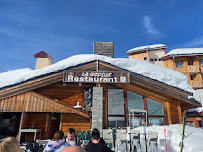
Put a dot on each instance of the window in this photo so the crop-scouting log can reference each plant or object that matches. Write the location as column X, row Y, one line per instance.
column 190, row 123
column 151, row 59
column 155, row 59
column 179, row 63
column 135, row 101
column 201, row 62
column 192, row 77
column 145, row 58
column 155, row 112
column 116, row 108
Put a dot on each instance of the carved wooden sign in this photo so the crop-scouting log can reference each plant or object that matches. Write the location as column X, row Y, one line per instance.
column 96, row 77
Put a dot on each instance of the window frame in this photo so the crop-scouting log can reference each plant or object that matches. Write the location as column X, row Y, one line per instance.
column 178, row 65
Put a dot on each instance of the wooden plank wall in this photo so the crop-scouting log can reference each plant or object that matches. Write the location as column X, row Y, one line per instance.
column 77, row 122
column 35, row 120
column 69, row 94
column 33, row 102
column 140, row 56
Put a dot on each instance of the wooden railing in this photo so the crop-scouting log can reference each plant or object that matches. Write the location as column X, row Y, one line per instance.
column 196, row 84
column 193, row 69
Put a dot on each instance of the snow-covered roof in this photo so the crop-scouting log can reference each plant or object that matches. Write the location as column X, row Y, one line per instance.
column 152, row 71
column 147, row 47
column 199, row 109
column 185, row 51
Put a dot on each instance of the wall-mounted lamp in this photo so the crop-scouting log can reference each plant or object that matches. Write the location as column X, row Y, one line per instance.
column 78, row 106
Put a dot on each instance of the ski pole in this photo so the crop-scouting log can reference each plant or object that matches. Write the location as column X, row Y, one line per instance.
column 165, row 140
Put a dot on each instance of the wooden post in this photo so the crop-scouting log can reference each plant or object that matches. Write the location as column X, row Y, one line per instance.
column 145, row 107
column 21, row 125
column 47, row 126
column 167, row 113
column 105, row 104
column 125, row 107
column 61, row 122
column 179, row 113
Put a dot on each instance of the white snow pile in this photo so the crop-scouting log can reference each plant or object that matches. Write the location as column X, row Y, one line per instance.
column 191, row 143
column 159, row 73
column 199, row 109
column 12, row 77
column 147, row 47
column 185, row 51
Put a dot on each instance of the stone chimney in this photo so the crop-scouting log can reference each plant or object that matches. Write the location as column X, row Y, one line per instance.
column 42, row 60
column 103, row 48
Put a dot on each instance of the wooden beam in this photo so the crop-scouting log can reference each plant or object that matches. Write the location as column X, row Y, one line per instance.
column 47, row 126
column 125, row 107
column 21, row 125
column 167, row 113
column 145, row 107
column 179, row 113
column 145, row 103
column 61, row 122
column 105, row 105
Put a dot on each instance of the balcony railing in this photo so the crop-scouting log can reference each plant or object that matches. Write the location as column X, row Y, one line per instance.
column 193, row 69
column 196, row 84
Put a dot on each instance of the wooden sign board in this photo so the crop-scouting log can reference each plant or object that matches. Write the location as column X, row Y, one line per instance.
column 96, row 77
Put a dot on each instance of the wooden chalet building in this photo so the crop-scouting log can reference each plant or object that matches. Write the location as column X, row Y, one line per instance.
column 46, row 100
column 188, row 61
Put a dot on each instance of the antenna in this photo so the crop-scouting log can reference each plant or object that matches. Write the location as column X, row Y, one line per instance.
column 198, row 95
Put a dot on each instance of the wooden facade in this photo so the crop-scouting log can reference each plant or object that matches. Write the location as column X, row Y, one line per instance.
column 190, row 66
column 46, row 103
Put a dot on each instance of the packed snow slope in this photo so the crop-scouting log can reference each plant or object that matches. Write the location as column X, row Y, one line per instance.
column 192, row 141
column 152, row 71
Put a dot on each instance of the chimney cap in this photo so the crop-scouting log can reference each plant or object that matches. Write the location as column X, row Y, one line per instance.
column 43, row 54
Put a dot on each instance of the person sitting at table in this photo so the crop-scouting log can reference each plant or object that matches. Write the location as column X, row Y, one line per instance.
column 96, row 145
column 57, row 143
column 101, row 139
column 71, row 138
column 9, row 144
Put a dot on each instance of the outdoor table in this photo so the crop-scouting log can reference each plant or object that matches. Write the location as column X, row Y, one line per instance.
column 30, row 130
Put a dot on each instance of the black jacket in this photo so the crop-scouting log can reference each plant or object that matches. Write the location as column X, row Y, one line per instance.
column 97, row 148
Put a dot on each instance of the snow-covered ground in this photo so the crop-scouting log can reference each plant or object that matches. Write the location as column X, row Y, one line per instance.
column 192, row 141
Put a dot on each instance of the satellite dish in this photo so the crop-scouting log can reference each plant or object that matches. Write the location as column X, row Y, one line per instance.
column 198, row 95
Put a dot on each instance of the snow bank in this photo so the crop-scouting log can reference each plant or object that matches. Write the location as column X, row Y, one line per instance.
column 153, row 71
column 147, row 47
column 192, row 141
column 199, row 109
column 185, row 51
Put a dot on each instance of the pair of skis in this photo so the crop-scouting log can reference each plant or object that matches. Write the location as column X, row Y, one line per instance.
column 183, row 131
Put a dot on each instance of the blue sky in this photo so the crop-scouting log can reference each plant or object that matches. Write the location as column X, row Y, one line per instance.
column 63, row 28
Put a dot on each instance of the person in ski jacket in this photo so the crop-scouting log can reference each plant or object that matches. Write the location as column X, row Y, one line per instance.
column 96, row 145
column 57, row 143
column 9, row 144
column 71, row 138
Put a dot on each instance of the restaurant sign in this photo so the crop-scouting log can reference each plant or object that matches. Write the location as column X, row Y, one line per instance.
column 96, row 77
